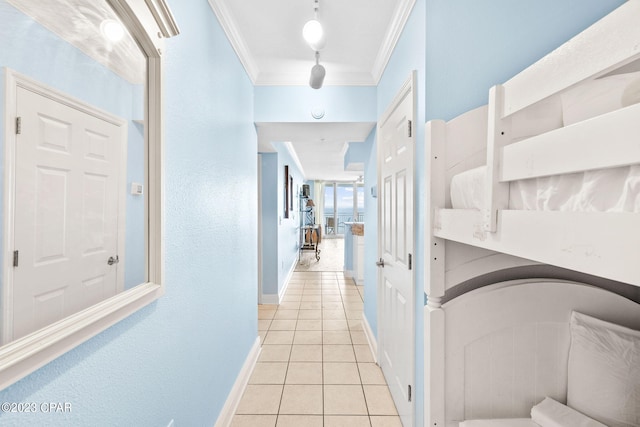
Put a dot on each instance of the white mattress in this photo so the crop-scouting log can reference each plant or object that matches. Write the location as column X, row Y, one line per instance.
column 609, row 190
column 510, row 422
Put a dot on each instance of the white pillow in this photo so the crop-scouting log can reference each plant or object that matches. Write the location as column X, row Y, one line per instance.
column 604, row 371
column 550, row 413
column 600, row 96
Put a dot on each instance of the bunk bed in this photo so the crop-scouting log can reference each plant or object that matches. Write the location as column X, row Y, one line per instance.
column 545, row 178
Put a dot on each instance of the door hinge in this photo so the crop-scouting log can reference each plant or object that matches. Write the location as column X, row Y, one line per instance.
column 410, row 262
column 15, row 258
column 18, row 125
column 409, row 128
column 409, row 392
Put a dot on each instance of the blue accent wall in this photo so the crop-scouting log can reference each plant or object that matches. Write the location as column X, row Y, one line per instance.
column 289, row 228
column 295, row 103
column 474, row 45
column 371, row 233
column 270, row 212
column 179, row 357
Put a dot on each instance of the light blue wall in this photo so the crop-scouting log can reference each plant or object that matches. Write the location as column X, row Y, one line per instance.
column 280, row 235
column 474, row 45
column 289, row 228
column 270, row 211
column 178, row 358
column 357, row 152
column 371, row 233
column 294, row 103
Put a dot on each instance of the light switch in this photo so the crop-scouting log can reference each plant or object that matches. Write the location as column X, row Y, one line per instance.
column 137, row 189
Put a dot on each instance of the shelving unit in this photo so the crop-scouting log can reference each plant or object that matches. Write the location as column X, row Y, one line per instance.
column 310, row 232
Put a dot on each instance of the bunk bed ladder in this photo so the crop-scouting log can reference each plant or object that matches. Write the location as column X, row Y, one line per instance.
column 498, row 135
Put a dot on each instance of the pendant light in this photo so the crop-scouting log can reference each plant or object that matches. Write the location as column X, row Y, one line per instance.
column 313, row 32
column 317, row 74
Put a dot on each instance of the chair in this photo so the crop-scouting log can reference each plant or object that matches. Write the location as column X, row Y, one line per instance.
column 330, row 226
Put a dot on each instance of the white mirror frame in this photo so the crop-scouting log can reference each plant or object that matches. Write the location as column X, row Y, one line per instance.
column 148, row 21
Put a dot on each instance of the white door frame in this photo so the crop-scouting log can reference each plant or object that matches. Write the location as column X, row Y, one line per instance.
column 408, row 87
column 13, row 80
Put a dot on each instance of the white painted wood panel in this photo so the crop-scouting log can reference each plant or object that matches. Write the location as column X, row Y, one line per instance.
column 507, row 345
column 607, row 141
column 598, row 243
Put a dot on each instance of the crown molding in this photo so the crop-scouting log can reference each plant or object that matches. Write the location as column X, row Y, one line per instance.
column 393, row 35
column 228, row 24
column 292, row 152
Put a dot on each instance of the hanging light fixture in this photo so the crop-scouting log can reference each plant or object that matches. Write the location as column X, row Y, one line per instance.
column 317, row 74
column 313, row 32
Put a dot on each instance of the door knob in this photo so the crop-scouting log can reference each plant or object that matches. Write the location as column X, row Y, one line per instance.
column 380, row 263
column 113, row 260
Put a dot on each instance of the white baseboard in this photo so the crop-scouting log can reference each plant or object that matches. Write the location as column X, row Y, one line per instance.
column 371, row 339
column 349, row 274
column 230, row 406
column 285, row 285
column 270, row 299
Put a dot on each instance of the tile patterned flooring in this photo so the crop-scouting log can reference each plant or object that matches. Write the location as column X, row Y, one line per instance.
column 316, row 368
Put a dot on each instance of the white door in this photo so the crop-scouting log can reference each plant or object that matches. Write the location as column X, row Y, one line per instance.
column 395, row 248
column 66, row 211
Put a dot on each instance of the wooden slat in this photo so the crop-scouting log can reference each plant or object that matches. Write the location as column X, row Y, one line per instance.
column 610, row 140
column 435, row 145
column 498, row 136
column 598, row 243
column 610, row 43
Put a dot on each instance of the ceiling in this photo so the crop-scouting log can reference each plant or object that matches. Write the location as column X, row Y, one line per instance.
column 267, row 36
column 319, row 147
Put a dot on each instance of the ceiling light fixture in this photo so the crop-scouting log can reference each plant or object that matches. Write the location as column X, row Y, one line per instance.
column 317, row 74
column 112, row 30
column 312, row 31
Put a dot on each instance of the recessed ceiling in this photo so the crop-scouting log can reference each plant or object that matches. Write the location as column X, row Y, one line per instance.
column 267, row 35
column 360, row 38
column 320, row 147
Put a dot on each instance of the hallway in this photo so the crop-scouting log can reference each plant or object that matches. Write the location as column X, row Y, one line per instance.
column 316, row 368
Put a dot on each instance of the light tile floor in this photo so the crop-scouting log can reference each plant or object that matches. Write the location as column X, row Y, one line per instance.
column 316, row 368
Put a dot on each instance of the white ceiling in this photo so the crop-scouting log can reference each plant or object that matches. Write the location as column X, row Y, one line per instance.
column 319, row 147
column 267, row 36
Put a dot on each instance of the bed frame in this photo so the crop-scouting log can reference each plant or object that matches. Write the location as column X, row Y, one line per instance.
column 477, row 345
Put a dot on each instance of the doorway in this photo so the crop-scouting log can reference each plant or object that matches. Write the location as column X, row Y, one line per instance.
column 396, row 290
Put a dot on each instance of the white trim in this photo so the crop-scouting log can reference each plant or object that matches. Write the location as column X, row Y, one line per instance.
column 260, row 232
column 269, row 299
column 394, row 31
column 285, row 284
column 23, row 356
column 393, row 35
column 231, row 404
column 225, row 17
column 371, row 338
column 294, row 156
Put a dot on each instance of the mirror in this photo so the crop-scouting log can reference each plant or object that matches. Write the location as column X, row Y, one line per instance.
column 81, row 174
